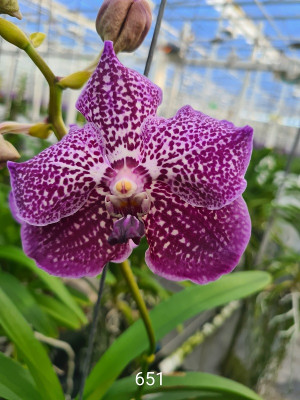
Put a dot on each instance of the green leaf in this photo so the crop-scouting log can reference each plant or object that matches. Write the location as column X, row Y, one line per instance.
column 26, row 304
column 37, row 38
column 193, row 396
column 33, row 353
column 57, row 311
column 165, row 317
column 80, row 298
column 146, row 279
column 110, row 279
column 195, row 381
column 16, row 383
column 15, row 254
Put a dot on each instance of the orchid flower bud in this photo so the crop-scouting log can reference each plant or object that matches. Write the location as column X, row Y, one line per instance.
column 40, row 130
column 10, row 7
column 7, row 152
column 14, row 127
column 124, row 22
column 13, row 34
column 75, row 80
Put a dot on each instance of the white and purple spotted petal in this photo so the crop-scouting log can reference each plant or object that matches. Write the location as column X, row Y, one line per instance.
column 117, row 100
column 194, row 243
column 202, row 159
column 57, row 182
column 77, row 245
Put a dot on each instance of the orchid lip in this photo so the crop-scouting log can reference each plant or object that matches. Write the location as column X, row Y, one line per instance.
column 126, row 228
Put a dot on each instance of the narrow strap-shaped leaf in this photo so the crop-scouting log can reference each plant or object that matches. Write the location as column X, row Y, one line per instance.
column 16, row 383
column 186, row 395
column 165, row 317
column 27, row 304
column 30, row 349
column 15, row 254
column 190, row 381
column 58, row 311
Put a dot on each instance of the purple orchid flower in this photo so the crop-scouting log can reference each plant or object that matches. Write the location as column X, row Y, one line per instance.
column 88, row 199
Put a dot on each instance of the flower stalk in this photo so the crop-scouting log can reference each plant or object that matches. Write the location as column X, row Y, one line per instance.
column 55, row 94
column 129, row 277
column 150, row 357
column 55, row 114
column 40, row 63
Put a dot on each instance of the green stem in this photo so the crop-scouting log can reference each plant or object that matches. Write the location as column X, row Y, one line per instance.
column 41, row 64
column 144, row 369
column 147, row 359
column 55, row 93
column 129, row 277
column 55, row 115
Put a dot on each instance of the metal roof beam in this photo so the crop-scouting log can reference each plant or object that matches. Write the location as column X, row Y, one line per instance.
column 238, row 65
column 202, row 18
column 239, row 3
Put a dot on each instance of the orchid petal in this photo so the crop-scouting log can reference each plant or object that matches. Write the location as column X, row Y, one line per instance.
column 77, row 245
column 202, row 159
column 194, row 243
column 117, row 100
column 57, row 182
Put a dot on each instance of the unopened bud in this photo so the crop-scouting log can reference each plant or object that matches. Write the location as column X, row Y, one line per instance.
column 124, row 22
column 14, row 127
column 40, row 130
column 7, row 152
column 10, row 7
column 13, row 34
column 75, row 80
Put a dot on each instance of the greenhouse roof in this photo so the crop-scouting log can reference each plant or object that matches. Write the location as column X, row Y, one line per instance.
column 247, row 49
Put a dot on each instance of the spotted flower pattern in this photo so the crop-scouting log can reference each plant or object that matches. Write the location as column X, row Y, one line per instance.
column 89, row 199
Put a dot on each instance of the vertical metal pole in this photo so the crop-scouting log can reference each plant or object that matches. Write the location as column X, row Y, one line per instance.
column 155, row 36
column 11, row 82
column 208, row 76
column 273, row 131
column 243, row 95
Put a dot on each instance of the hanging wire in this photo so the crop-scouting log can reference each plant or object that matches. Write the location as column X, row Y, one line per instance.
column 155, row 36
column 88, row 357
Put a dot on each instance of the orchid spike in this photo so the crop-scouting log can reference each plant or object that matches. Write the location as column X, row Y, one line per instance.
column 90, row 198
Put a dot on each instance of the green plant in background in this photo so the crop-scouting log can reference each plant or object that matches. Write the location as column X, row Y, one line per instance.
column 260, row 324
column 40, row 313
